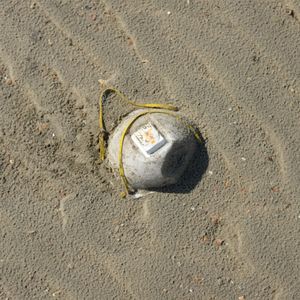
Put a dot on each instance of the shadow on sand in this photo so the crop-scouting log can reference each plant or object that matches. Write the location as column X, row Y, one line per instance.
column 192, row 175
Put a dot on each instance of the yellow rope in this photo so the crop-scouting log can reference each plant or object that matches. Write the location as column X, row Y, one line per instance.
column 102, row 130
column 102, row 135
column 146, row 105
column 155, row 108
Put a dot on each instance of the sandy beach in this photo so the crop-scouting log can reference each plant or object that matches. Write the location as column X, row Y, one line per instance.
column 229, row 230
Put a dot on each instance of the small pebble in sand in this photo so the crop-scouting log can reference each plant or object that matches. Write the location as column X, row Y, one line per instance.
column 205, row 239
column 8, row 81
column 242, row 298
column 192, row 208
column 290, row 12
column 210, row 172
column 53, row 134
column 56, row 293
column 219, row 242
column 275, row 189
column 168, row 12
column 215, row 219
column 243, row 159
column 230, row 109
column 30, row 232
column 130, row 41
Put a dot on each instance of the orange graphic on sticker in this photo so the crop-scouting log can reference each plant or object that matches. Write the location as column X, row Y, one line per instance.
column 149, row 137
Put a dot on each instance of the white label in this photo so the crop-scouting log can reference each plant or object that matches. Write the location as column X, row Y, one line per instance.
column 148, row 139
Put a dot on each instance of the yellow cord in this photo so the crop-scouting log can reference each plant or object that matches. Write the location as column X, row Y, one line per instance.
column 155, row 108
column 102, row 134
column 147, row 105
column 102, row 130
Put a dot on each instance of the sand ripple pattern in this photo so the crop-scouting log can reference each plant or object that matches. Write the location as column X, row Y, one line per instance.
column 233, row 68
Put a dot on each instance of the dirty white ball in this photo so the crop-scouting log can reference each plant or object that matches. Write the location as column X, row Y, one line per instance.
column 156, row 149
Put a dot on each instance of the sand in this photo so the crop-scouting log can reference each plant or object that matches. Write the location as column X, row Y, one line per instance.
column 233, row 69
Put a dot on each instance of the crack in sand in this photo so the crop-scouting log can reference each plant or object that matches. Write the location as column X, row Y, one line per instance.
column 123, row 28
column 71, row 37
